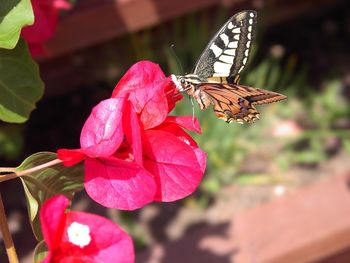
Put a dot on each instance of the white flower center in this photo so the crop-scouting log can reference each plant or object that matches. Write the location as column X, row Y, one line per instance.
column 130, row 158
column 79, row 234
column 186, row 141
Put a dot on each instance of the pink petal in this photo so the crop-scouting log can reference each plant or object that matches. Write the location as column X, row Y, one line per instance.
column 52, row 217
column 140, row 74
column 173, row 163
column 172, row 94
column 146, row 84
column 37, row 49
column 190, row 123
column 151, row 103
column 62, row 4
column 133, row 132
column 44, row 25
column 102, row 133
column 70, row 157
column 176, row 130
column 118, row 184
column 46, row 14
column 201, row 158
column 109, row 243
column 186, row 138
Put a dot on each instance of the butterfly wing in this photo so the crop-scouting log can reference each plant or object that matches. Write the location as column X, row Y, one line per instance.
column 227, row 53
column 235, row 102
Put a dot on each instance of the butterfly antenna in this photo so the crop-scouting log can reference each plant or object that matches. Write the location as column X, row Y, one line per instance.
column 172, row 48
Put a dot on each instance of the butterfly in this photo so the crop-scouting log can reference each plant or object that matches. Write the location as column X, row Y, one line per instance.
column 215, row 78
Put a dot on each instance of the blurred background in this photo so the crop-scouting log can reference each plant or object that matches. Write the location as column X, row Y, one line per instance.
column 298, row 151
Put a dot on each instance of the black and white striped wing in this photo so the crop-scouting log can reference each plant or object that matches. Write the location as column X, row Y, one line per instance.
column 227, row 53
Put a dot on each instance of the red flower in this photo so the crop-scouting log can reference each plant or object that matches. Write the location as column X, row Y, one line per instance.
column 46, row 14
column 134, row 153
column 82, row 237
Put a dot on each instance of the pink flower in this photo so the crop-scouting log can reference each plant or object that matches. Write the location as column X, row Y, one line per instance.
column 134, row 152
column 46, row 14
column 82, row 237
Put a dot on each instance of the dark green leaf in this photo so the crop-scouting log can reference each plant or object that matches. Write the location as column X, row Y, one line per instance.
column 20, row 84
column 11, row 141
column 14, row 14
column 41, row 185
column 40, row 252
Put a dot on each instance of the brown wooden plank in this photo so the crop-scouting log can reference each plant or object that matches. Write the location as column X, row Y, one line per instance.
column 94, row 22
column 342, row 257
column 308, row 226
column 91, row 22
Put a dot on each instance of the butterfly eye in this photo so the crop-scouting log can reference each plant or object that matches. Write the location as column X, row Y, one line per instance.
column 182, row 81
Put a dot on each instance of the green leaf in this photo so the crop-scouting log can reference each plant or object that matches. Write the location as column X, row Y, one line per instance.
column 40, row 252
column 43, row 184
column 20, row 84
column 14, row 14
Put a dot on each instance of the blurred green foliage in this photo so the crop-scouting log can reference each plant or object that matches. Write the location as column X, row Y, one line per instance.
column 11, row 141
column 250, row 153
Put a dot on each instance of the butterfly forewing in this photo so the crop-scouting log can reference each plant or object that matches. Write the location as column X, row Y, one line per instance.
column 227, row 53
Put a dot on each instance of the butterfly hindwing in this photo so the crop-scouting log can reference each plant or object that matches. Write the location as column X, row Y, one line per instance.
column 235, row 102
column 227, row 52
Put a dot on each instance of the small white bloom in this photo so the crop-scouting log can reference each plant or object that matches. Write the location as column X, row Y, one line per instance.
column 279, row 190
column 79, row 234
column 277, row 51
column 286, row 128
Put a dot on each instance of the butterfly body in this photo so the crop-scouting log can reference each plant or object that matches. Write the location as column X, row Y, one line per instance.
column 215, row 77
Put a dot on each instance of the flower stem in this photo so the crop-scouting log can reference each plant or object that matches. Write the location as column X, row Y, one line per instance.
column 17, row 174
column 7, row 169
column 10, row 248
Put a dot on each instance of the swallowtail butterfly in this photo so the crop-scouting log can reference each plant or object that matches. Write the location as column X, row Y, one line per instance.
column 215, row 77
